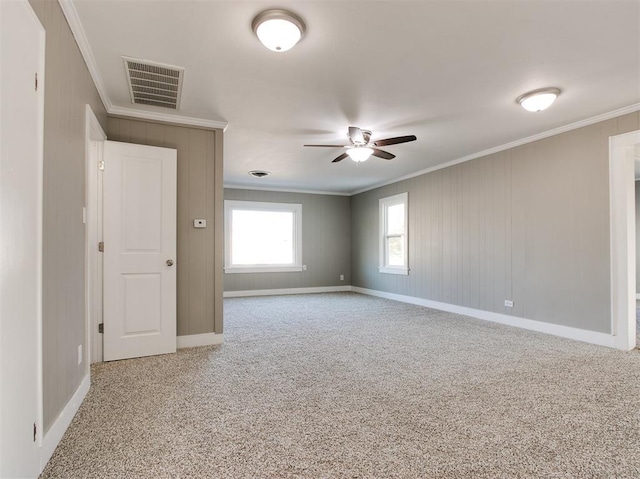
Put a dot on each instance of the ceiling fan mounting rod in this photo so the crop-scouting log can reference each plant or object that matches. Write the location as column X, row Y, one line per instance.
column 366, row 136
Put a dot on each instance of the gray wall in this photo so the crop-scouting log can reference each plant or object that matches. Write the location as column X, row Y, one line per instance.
column 326, row 242
column 637, row 236
column 530, row 224
column 68, row 88
column 200, row 251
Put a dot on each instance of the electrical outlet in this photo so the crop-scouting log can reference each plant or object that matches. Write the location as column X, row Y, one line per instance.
column 304, row 267
column 342, row 277
column 79, row 353
column 508, row 303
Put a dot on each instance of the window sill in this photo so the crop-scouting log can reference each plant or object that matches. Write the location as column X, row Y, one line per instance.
column 388, row 270
column 265, row 269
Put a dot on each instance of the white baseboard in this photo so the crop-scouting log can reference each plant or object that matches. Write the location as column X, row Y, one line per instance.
column 53, row 436
column 278, row 292
column 196, row 340
column 601, row 339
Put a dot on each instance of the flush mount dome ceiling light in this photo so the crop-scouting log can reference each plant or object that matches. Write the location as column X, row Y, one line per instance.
column 538, row 100
column 359, row 153
column 278, row 30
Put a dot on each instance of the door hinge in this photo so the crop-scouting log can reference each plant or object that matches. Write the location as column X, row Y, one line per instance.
column 101, row 246
column 36, row 81
column 35, row 431
column 101, row 165
column 101, row 328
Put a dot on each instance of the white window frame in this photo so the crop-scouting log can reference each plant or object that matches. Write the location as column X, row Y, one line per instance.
column 296, row 209
column 385, row 203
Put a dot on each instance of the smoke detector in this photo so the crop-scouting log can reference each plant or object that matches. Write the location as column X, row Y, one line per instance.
column 152, row 83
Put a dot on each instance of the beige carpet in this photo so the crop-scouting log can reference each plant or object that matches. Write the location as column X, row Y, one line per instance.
column 349, row 386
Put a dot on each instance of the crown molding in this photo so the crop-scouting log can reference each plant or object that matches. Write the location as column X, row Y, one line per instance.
column 284, row 190
column 71, row 14
column 529, row 139
column 166, row 117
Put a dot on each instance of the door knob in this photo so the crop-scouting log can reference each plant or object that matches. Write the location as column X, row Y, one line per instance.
column 169, row 262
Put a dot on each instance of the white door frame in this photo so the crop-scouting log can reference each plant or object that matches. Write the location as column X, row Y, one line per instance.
column 94, row 146
column 623, row 238
column 28, row 462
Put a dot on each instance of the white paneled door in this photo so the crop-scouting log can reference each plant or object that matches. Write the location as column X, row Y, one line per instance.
column 139, row 214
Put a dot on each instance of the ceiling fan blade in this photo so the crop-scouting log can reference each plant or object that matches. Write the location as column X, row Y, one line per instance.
column 340, row 158
column 382, row 154
column 356, row 135
column 395, row 140
column 329, row 146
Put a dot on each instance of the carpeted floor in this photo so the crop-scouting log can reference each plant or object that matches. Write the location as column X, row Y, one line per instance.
column 349, row 386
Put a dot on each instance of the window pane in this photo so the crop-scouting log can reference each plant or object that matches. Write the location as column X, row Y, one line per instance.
column 395, row 251
column 395, row 219
column 261, row 237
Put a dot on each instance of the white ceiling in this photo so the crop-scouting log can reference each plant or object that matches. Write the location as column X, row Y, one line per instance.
column 446, row 71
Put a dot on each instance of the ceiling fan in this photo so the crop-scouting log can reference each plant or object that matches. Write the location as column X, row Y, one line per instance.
column 361, row 148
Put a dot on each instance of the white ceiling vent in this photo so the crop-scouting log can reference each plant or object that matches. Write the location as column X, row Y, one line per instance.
column 155, row 84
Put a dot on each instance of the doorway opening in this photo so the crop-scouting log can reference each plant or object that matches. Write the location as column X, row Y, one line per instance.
column 623, row 152
column 636, row 167
column 94, row 146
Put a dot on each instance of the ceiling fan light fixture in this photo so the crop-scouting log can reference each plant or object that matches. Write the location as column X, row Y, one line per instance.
column 278, row 30
column 359, row 153
column 538, row 100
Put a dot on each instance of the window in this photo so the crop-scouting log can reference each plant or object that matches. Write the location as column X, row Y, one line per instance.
column 262, row 237
column 393, row 234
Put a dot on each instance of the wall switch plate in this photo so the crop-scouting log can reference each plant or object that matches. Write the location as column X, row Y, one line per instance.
column 199, row 223
column 342, row 277
column 304, row 267
column 79, row 353
column 508, row 304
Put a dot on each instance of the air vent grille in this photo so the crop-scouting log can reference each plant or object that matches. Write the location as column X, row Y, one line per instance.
column 154, row 84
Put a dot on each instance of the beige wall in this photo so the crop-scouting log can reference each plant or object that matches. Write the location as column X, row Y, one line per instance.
column 68, row 88
column 200, row 195
column 530, row 224
column 326, row 242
